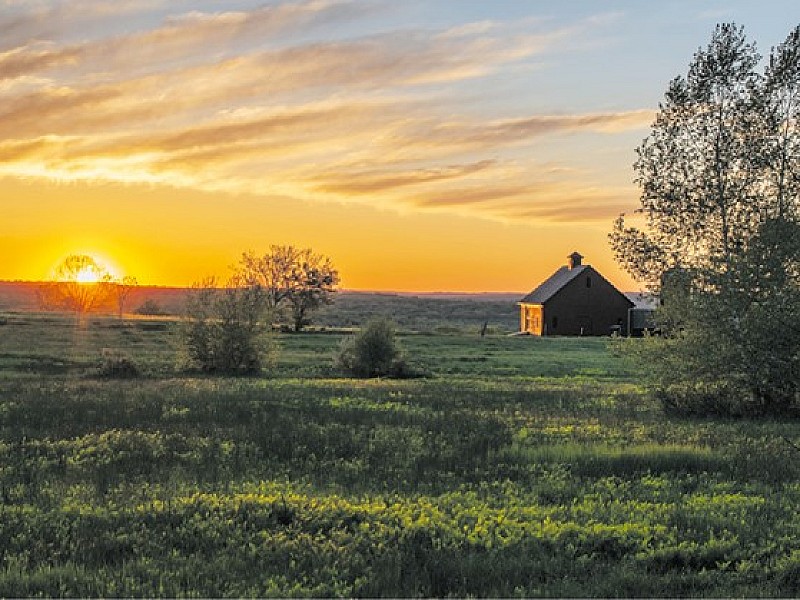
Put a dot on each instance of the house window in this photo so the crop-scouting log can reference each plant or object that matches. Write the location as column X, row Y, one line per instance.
column 588, row 282
column 555, row 322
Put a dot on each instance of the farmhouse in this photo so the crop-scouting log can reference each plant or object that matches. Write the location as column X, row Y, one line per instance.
column 575, row 300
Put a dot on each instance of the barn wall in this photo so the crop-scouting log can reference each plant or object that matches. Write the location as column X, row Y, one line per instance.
column 578, row 309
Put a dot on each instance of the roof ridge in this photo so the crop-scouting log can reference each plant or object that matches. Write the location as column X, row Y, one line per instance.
column 553, row 284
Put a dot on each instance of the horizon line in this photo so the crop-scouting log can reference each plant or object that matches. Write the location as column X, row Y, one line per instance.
column 340, row 290
column 345, row 290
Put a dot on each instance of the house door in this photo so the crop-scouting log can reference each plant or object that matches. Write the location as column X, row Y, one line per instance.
column 585, row 325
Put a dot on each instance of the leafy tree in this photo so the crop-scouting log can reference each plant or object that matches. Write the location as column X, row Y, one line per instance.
column 80, row 286
column 781, row 144
column 225, row 329
column 719, row 175
column 312, row 284
column 293, row 278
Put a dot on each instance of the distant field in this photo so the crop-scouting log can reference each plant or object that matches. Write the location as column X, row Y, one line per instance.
column 422, row 312
column 431, row 313
column 518, row 467
column 21, row 296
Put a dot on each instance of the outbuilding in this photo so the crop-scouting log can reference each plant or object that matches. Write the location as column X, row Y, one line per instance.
column 575, row 300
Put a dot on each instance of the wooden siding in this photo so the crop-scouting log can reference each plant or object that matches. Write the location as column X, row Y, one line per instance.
column 586, row 305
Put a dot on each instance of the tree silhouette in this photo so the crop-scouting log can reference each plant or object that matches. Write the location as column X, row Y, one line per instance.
column 81, row 286
column 122, row 291
column 720, row 180
column 291, row 277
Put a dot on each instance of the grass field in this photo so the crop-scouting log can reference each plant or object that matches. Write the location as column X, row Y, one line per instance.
column 517, row 467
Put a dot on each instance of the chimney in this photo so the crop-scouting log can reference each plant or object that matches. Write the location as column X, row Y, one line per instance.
column 574, row 260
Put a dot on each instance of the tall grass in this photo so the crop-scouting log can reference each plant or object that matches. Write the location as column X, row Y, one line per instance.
column 518, row 468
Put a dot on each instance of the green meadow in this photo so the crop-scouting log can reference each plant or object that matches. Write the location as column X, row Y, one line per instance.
column 514, row 467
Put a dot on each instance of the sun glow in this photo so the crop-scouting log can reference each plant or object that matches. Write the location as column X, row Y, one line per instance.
column 88, row 274
column 84, row 268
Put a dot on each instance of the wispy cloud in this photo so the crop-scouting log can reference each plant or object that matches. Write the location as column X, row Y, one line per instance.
column 369, row 182
column 554, row 200
column 193, row 37
column 232, row 101
column 474, row 135
column 25, row 21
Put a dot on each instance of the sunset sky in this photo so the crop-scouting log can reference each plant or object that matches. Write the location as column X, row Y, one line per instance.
column 424, row 145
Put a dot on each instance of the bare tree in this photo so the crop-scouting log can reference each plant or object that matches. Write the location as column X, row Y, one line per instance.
column 122, row 291
column 271, row 272
column 80, row 286
column 295, row 278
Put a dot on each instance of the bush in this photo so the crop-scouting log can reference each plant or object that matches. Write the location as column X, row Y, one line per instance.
column 117, row 364
column 226, row 330
column 373, row 352
column 715, row 358
column 150, row 308
column 703, row 398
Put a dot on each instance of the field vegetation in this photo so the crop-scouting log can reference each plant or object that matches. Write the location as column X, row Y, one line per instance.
column 516, row 467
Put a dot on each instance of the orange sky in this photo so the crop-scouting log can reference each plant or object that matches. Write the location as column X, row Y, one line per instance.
column 423, row 146
column 175, row 237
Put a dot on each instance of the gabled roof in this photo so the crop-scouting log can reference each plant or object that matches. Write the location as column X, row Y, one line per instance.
column 552, row 285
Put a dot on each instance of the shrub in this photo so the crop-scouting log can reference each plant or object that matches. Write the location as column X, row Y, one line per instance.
column 225, row 330
column 373, row 352
column 150, row 308
column 708, row 365
column 117, row 364
column 704, row 398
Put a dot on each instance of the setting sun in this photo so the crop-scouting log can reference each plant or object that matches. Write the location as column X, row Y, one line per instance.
column 88, row 274
column 84, row 268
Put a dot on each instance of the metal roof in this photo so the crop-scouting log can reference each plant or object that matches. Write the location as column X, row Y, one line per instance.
column 553, row 285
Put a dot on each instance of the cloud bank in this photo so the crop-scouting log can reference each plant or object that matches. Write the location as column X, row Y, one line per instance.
column 267, row 100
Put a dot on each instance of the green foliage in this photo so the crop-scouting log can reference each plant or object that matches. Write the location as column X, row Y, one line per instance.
column 115, row 363
column 225, row 330
column 424, row 314
column 522, row 467
column 373, row 352
column 732, row 352
column 719, row 175
column 150, row 308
